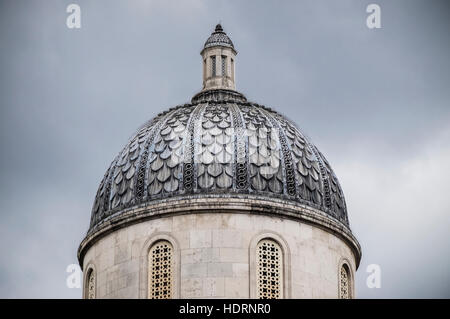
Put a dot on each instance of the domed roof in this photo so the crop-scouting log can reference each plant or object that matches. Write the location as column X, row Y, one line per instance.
column 218, row 37
column 224, row 145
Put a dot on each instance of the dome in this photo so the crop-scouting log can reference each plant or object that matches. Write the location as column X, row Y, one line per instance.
column 208, row 195
column 220, row 144
column 218, row 37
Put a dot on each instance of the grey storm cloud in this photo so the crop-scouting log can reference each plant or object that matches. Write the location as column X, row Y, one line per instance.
column 375, row 101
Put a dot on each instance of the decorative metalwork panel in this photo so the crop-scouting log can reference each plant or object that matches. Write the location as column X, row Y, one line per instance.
column 100, row 200
column 344, row 283
column 143, row 161
column 269, row 270
column 306, row 164
column 338, row 205
column 160, row 271
column 219, row 143
column 287, row 158
column 240, row 149
column 91, row 285
column 123, row 183
column 214, row 154
column 265, row 171
column 164, row 165
column 189, row 182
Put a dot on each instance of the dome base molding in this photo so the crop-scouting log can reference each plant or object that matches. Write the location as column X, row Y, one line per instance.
column 242, row 204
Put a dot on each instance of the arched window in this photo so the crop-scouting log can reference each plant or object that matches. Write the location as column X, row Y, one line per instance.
column 90, row 284
column 232, row 69
column 224, row 65
column 269, row 270
column 160, row 270
column 344, row 282
column 204, row 69
column 213, row 66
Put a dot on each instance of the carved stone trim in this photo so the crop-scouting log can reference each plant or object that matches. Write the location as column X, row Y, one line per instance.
column 238, row 203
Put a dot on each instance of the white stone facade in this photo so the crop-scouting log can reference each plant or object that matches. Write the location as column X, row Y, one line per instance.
column 214, row 256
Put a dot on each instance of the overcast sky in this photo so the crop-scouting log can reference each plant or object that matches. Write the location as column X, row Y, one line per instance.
column 375, row 101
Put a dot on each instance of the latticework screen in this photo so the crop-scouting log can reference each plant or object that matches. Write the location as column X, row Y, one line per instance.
column 344, row 292
column 160, row 261
column 91, row 285
column 269, row 270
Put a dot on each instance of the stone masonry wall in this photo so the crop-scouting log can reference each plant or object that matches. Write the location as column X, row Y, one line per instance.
column 214, row 256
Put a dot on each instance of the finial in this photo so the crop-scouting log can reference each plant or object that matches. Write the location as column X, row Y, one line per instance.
column 218, row 28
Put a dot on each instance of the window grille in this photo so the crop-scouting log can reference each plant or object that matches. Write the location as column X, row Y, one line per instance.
column 160, row 260
column 269, row 270
column 91, row 285
column 344, row 283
